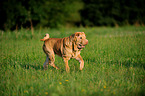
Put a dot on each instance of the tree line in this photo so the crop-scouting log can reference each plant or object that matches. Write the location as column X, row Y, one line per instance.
column 57, row 13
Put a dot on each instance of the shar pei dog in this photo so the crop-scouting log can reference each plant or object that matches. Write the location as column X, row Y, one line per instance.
column 67, row 48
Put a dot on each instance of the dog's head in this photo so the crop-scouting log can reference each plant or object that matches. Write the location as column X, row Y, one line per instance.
column 80, row 40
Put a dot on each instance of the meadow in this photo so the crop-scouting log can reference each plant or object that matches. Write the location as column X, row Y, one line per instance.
column 114, row 64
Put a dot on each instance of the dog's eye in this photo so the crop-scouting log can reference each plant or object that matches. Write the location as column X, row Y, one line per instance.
column 80, row 37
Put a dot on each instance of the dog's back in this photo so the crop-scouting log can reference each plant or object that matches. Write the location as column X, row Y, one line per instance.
column 54, row 45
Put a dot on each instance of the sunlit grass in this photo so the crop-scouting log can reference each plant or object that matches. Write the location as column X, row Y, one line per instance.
column 114, row 64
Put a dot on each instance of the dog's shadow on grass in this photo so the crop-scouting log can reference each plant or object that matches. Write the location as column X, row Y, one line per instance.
column 29, row 66
column 39, row 67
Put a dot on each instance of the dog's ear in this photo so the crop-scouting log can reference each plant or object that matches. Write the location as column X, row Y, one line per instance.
column 77, row 33
column 83, row 32
column 75, row 38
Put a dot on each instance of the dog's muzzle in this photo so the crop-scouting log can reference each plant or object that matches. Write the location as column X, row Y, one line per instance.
column 80, row 46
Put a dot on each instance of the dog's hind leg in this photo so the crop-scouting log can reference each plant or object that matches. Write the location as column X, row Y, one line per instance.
column 45, row 65
column 51, row 60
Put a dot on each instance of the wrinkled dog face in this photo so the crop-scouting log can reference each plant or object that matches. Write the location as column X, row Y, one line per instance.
column 81, row 40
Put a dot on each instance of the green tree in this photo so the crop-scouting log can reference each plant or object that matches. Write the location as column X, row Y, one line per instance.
column 112, row 12
column 45, row 13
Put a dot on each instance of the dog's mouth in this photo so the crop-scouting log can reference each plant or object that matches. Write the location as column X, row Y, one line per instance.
column 80, row 46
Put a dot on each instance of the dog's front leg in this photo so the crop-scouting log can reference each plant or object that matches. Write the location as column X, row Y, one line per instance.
column 80, row 59
column 66, row 64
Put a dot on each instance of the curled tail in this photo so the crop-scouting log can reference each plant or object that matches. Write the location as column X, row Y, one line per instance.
column 46, row 37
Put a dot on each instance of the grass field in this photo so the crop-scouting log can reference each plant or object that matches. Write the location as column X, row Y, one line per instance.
column 114, row 64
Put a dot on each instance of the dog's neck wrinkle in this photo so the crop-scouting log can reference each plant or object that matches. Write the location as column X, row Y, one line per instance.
column 74, row 47
column 71, row 38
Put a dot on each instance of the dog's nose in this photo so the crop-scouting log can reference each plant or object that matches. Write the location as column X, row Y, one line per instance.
column 86, row 42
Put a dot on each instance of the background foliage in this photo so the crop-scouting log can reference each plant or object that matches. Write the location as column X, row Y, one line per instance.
column 111, row 12
column 58, row 13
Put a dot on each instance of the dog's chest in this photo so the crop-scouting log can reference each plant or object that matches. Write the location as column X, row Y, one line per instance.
column 75, row 54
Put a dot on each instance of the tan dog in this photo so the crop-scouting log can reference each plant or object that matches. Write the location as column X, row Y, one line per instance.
column 67, row 48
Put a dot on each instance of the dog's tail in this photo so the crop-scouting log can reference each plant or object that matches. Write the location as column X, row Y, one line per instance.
column 46, row 37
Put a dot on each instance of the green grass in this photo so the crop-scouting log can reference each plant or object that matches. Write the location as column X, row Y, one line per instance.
column 114, row 64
